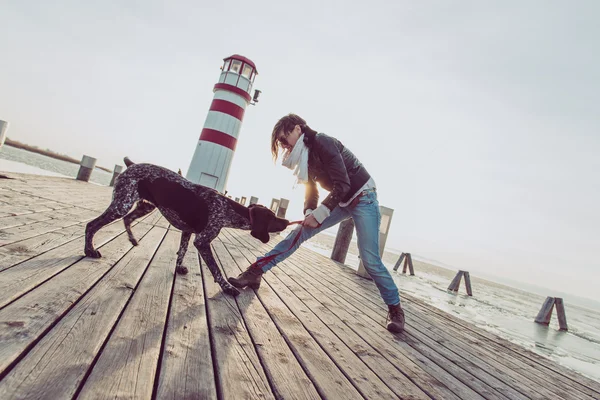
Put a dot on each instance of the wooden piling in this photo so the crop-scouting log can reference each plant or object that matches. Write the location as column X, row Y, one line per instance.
column 243, row 201
column 342, row 241
column 86, row 166
column 455, row 282
column 560, row 313
column 545, row 313
column 410, row 264
column 399, row 262
column 3, row 130
column 283, row 206
column 274, row 205
column 116, row 172
column 253, row 200
column 468, row 283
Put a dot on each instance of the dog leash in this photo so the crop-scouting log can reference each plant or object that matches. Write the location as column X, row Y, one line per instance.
column 266, row 260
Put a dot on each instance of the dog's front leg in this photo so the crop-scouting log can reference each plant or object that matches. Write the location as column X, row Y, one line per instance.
column 206, row 253
column 185, row 240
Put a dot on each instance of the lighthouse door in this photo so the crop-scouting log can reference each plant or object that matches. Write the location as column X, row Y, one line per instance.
column 208, row 180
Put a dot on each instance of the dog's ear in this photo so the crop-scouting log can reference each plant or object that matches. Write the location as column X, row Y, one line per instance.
column 260, row 223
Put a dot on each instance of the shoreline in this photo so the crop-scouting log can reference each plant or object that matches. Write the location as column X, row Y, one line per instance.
column 48, row 153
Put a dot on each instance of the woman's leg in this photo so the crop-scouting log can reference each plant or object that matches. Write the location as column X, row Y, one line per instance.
column 286, row 247
column 367, row 219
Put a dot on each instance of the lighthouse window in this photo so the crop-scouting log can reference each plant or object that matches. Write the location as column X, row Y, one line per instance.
column 236, row 66
column 226, row 66
column 247, row 71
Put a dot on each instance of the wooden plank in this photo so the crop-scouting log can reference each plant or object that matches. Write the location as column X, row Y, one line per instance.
column 12, row 235
column 18, row 252
column 129, row 361
column 24, row 277
column 426, row 375
column 496, row 346
column 278, row 346
column 186, row 370
column 351, row 353
column 18, row 220
column 511, row 384
column 27, row 249
column 442, row 355
column 239, row 373
column 24, row 321
column 557, row 390
column 57, row 365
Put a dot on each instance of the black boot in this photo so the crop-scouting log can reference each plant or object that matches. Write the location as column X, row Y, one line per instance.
column 250, row 277
column 396, row 318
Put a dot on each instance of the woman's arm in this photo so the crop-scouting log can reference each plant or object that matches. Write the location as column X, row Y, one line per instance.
column 336, row 169
column 311, row 196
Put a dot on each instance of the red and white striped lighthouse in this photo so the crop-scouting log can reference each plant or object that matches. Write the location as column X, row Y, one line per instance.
column 214, row 152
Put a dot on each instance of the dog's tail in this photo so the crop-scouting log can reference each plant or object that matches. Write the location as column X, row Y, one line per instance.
column 128, row 162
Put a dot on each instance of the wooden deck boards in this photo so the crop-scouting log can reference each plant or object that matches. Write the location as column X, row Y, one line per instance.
column 126, row 326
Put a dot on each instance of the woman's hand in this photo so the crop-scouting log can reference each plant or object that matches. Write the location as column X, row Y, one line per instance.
column 310, row 222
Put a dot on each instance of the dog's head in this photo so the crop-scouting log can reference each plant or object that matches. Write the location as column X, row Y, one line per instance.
column 264, row 221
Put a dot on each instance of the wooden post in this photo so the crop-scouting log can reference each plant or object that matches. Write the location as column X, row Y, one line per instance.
column 283, row 206
column 116, row 173
column 274, row 205
column 455, row 282
column 3, row 130
column 243, row 201
column 545, row 313
column 342, row 241
column 384, row 227
column 253, row 200
column 468, row 283
column 237, row 199
column 86, row 166
column 400, row 262
column 560, row 312
column 410, row 264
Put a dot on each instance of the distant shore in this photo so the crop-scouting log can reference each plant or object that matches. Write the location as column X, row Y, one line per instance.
column 47, row 153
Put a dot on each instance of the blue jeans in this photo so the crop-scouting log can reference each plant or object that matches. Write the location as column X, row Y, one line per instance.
column 367, row 219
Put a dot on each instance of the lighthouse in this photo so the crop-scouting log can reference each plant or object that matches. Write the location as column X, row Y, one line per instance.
column 218, row 139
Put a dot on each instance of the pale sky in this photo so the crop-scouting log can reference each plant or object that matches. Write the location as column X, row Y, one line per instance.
column 479, row 121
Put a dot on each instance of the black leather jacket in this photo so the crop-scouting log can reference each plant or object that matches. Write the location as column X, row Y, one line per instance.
column 334, row 167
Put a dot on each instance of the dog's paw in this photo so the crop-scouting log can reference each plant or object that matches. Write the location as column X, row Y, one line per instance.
column 182, row 270
column 133, row 241
column 92, row 253
column 230, row 290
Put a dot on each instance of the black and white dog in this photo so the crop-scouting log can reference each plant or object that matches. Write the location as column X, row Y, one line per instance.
column 189, row 207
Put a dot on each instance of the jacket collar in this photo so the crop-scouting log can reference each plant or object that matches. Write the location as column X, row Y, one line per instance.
column 309, row 138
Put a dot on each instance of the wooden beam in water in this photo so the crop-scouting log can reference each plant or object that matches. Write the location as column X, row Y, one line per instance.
column 455, row 282
column 560, row 312
column 410, row 264
column 399, row 262
column 468, row 283
column 545, row 313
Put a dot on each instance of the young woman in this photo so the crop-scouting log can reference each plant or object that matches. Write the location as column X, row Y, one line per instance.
column 315, row 157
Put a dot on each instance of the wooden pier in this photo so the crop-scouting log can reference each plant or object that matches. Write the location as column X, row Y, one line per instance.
column 125, row 326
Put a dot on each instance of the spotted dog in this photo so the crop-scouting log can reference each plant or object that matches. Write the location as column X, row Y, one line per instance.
column 194, row 209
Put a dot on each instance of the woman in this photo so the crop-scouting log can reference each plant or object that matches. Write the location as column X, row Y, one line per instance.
column 316, row 157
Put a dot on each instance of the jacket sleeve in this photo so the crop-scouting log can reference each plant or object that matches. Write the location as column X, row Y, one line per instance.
column 335, row 168
column 311, row 197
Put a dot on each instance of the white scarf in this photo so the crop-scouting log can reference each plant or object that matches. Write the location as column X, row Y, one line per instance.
column 297, row 160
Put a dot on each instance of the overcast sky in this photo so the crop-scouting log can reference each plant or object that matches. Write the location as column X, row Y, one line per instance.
column 479, row 121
